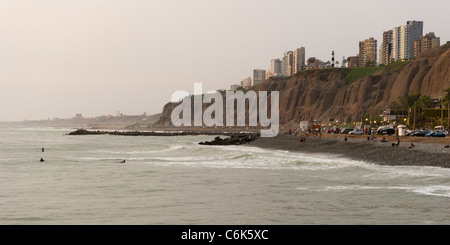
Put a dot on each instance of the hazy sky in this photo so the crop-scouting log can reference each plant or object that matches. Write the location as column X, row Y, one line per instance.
column 62, row 57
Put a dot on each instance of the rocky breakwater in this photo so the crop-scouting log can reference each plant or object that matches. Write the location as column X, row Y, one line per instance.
column 234, row 138
column 238, row 139
column 140, row 133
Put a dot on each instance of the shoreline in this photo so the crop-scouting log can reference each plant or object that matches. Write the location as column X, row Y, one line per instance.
column 359, row 148
column 428, row 151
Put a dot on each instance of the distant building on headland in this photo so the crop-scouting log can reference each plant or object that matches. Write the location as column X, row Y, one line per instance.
column 368, row 52
column 276, row 66
column 276, row 70
column 78, row 116
column 310, row 63
column 299, row 59
column 234, row 87
column 258, row 76
column 353, row 61
column 247, row 82
column 288, row 64
column 313, row 63
column 426, row 42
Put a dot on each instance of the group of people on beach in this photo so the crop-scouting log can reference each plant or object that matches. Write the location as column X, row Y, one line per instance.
column 308, row 132
column 371, row 137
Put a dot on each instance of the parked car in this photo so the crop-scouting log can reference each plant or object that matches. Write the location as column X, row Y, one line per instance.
column 333, row 131
column 410, row 133
column 436, row 133
column 346, row 130
column 357, row 132
column 385, row 130
column 420, row 133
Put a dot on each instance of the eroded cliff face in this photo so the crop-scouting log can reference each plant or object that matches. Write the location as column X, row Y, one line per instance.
column 325, row 94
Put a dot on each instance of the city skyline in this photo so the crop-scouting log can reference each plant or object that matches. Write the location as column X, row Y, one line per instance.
column 60, row 58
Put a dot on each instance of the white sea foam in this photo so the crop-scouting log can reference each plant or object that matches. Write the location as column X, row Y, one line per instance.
column 431, row 190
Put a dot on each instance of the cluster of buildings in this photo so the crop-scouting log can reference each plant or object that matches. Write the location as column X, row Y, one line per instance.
column 400, row 43
column 291, row 63
column 406, row 42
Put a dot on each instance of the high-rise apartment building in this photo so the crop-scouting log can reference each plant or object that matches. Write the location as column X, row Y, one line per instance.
column 386, row 48
column 299, row 60
column 403, row 38
column 395, row 54
column 403, row 43
column 380, row 58
column 258, row 76
column 276, row 67
column 426, row 42
column 288, row 63
column 414, row 31
column 368, row 52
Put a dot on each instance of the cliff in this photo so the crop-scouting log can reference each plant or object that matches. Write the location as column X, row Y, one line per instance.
column 345, row 92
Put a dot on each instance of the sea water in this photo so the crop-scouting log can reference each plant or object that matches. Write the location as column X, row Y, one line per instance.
column 174, row 180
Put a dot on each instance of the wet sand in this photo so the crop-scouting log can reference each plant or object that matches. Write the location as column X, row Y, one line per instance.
column 432, row 153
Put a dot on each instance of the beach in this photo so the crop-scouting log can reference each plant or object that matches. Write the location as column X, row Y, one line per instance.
column 427, row 151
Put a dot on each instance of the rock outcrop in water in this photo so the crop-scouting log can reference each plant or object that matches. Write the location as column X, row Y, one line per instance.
column 328, row 94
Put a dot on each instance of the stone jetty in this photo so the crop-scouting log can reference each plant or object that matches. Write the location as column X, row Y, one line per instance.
column 235, row 138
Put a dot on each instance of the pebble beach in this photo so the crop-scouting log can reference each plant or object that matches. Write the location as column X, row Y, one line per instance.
column 424, row 153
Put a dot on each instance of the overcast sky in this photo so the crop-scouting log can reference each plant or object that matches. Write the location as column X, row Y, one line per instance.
column 62, row 57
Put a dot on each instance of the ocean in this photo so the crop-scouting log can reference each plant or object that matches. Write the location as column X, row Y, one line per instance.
column 176, row 181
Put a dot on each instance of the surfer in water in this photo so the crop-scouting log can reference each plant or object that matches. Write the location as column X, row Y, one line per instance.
column 122, row 161
column 42, row 159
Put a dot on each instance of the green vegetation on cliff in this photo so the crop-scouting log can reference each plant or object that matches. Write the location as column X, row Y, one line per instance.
column 354, row 74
